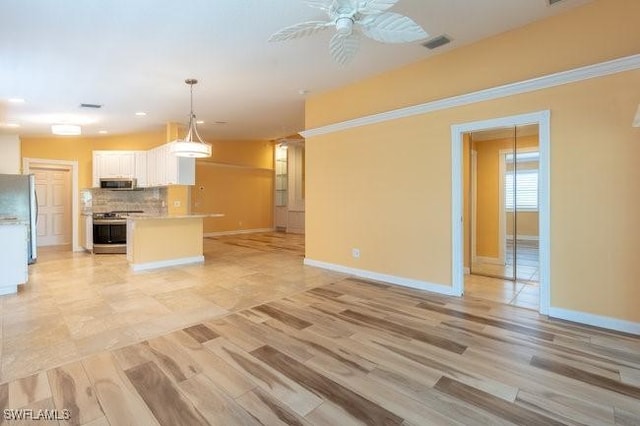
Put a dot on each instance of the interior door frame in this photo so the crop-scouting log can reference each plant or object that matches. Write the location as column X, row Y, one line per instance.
column 28, row 163
column 543, row 119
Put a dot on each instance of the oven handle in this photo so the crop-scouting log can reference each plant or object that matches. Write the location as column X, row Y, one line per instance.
column 109, row 221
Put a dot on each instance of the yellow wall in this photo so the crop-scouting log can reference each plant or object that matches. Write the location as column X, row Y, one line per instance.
column 386, row 188
column 238, row 182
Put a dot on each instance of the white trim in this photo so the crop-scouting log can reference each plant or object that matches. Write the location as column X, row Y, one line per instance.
column 392, row 279
column 543, row 119
column 27, row 163
column 595, row 320
column 602, row 69
column 238, row 232
column 138, row 267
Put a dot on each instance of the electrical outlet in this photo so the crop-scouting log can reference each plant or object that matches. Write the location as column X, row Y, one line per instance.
column 355, row 253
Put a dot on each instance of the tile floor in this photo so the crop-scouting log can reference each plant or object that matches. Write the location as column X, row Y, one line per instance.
column 77, row 304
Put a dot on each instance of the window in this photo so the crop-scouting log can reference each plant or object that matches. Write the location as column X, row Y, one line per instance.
column 526, row 182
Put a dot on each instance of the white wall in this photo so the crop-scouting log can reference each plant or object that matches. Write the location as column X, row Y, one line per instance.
column 9, row 154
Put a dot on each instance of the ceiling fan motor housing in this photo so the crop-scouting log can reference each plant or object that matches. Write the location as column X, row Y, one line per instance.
column 344, row 25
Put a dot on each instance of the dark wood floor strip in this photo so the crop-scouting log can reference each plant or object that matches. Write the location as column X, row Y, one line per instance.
column 446, row 344
column 492, row 404
column 167, row 404
column 283, row 317
column 257, row 370
column 356, row 405
column 586, row 377
column 201, row 333
column 323, row 291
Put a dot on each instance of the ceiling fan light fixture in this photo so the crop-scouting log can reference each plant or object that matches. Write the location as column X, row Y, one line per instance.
column 192, row 146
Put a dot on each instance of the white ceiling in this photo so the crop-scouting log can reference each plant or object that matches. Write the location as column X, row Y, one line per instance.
column 134, row 55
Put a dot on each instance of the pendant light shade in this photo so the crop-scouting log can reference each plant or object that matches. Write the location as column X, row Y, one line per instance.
column 192, row 145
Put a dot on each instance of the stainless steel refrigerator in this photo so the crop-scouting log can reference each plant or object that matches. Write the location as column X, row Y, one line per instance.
column 18, row 202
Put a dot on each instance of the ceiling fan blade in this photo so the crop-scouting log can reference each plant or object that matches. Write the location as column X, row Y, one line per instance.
column 319, row 4
column 300, row 30
column 392, row 28
column 344, row 48
column 372, row 7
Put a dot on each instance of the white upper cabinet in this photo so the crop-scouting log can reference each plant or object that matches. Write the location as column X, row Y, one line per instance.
column 141, row 173
column 156, row 167
column 113, row 164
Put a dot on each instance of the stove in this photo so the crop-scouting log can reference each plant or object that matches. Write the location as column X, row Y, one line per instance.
column 110, row 231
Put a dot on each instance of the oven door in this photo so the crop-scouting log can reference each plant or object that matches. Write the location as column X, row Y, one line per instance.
column 109, row 236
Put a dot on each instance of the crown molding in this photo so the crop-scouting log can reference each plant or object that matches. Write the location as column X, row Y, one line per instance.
column 615, row 66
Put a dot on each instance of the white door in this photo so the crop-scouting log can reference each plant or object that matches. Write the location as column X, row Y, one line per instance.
column 53, row 187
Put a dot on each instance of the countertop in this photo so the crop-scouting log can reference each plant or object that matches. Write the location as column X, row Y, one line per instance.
column 172, row 217
column 12, row 221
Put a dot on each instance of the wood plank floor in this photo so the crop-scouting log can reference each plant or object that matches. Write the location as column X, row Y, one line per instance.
column 302, row 346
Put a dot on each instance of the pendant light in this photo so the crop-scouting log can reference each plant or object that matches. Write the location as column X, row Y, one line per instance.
column 190, row 147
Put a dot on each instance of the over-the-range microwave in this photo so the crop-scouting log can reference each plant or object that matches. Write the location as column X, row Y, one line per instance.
column 118, row 184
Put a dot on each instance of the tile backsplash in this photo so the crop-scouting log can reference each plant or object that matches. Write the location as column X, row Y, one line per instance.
column 150, row 200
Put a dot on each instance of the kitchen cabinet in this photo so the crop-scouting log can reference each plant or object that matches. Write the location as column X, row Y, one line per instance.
column 113, row 164
column 155, row 167
column 87, row 232
column 164, row 168
column 14, row 253
column 140, row 170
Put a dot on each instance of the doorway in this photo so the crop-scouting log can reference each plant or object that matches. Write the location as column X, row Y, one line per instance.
column 511, row 247
column 58, row 200
column 501, row 215
column 53, row 188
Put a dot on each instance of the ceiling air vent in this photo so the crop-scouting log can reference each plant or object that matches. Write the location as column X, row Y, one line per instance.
column 436, row 42
column 552, row 2
column 96, row 106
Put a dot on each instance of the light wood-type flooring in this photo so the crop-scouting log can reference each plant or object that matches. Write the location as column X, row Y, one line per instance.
column 254, row 337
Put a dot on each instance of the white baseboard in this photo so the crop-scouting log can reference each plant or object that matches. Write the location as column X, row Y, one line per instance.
column 595, row 320
column 137, row 267
column 391, row 279
column 238, row 232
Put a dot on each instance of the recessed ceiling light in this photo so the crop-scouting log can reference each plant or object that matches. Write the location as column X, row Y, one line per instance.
column 16, row 100
column 141, row 113
column 10, row 125
column 66, row 129
column 200, row 122
column 103, row 132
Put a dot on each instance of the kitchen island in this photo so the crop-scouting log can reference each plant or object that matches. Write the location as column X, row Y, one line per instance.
column 161, row 241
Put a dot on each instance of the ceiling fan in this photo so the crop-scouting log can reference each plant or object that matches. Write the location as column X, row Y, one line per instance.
column 352, row 18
